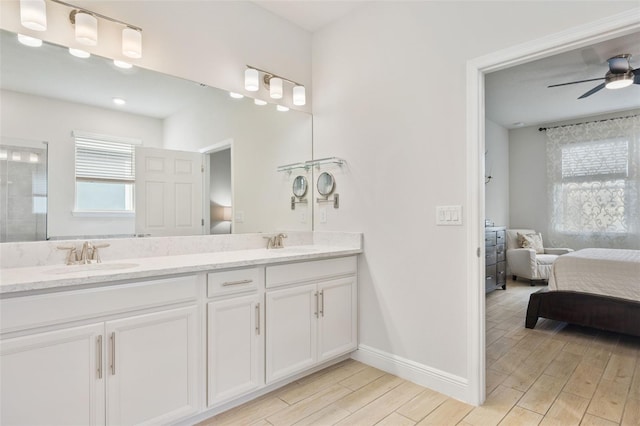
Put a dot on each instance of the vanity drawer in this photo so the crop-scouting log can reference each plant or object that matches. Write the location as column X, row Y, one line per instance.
column 24, row 312
column 490, row 239
column 295, row 273
column 233, row 281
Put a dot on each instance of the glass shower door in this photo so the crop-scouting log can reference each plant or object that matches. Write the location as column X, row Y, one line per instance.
column 23, row 190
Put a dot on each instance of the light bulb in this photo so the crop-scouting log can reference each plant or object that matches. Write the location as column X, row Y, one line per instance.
column 33, row 14
column 299, row 95
column 251, row 80
column 275, row 88
column 86, row 29
column 132, row 43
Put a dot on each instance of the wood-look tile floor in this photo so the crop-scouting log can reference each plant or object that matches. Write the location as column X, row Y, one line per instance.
column 556, row 374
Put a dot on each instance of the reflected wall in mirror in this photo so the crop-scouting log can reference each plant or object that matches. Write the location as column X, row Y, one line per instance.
column 183, row 125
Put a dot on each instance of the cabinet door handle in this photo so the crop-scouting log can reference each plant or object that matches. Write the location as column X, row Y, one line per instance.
column 316, row 296
column 99, row 343
column 322, row 303
column 228, row 283
column 113, row 353
column 258, row 319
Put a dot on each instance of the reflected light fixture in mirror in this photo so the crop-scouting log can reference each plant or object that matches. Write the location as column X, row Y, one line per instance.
column 282, row 108
column 235, row 95
column 259, row 102
column 33, row 14
column 79, row 53
column 122, row 64
column 29, row 41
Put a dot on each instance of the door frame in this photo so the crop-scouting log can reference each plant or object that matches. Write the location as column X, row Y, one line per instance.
column 573, row 38
column 206, row 184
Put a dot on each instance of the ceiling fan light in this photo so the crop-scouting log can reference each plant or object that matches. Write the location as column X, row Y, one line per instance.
column 33, row 14
column 86, row 29
column 251, row 80
column 132, row 43
column 619, row 81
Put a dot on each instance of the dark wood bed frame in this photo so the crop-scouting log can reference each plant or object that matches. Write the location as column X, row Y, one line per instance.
column 601, row 312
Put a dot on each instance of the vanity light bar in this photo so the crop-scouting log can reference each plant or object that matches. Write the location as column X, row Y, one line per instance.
column 33, row 15
column 274, row 83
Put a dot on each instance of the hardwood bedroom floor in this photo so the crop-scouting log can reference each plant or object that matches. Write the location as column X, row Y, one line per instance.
column 556, row 374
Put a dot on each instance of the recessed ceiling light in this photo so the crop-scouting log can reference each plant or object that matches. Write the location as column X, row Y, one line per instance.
column 282, row 108
column 29, row 41
column 235, row 95
column 122, row 64
column 259, row 102
column 79, row 53
column 119, row 101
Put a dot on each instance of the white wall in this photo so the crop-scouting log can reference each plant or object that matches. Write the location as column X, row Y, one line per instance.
column 528, row 195
column 44, row 119
column 205, row 41
column 389, row 97
column 496, row 157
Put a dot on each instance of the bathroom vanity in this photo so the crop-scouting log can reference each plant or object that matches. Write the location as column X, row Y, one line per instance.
column 172, row 338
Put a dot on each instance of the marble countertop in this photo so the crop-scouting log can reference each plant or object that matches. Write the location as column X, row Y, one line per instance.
column 14, row 280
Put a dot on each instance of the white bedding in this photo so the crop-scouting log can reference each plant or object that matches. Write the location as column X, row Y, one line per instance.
column 608, row 272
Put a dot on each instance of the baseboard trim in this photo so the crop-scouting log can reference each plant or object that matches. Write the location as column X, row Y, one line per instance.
column 432, row 378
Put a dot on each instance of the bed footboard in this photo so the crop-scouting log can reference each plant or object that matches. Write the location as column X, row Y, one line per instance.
column 601, row 312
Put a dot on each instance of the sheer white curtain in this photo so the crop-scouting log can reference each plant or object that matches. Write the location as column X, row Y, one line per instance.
column 593, row 178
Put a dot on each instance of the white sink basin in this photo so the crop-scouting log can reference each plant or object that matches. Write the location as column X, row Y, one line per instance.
column 70, row 269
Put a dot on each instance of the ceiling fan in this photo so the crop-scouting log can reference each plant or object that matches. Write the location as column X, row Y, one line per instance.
column 620, row 75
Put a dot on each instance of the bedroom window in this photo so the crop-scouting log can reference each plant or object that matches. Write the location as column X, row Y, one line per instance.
column 594, row 184
column 105, row 174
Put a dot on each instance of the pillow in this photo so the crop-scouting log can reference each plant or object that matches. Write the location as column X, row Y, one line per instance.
column 532, row 241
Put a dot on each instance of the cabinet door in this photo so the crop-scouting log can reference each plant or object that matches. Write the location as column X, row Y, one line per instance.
column 337, row 326
column 291, row 319
column 53, row 378
column 152, row 367
column 235, row 347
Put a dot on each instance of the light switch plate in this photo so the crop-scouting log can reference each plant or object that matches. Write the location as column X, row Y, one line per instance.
column 448, row 215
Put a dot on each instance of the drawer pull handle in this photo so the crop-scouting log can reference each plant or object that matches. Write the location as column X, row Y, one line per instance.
column 228, row 283
column 258, row 319
column 99, row 343
column 113, row 353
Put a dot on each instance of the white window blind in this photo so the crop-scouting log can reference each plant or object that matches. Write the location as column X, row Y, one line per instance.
column 604, row 159
column 104, row 161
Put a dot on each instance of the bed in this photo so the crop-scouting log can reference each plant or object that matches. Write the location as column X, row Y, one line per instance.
column 597, row 288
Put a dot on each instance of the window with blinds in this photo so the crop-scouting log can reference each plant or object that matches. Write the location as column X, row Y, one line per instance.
column 605, row 159
column 105, row 173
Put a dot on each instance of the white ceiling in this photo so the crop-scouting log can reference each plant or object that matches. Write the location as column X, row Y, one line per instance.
column 310, row 15
column 520, row 93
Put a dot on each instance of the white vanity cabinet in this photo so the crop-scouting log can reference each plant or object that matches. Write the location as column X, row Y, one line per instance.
column 235, row 334
column 123, row 367
column 311, row 314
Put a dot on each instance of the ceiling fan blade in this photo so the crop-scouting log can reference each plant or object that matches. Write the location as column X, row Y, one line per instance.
column 592, row 91
column 574, row 82
column 636, row 78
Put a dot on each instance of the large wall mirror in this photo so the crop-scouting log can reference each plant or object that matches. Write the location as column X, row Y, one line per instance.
column 204, row 162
